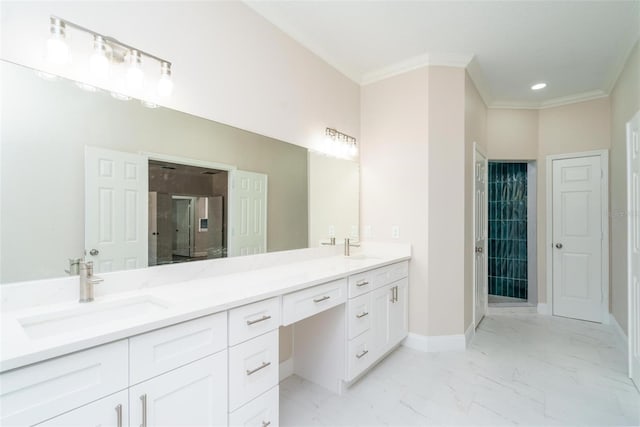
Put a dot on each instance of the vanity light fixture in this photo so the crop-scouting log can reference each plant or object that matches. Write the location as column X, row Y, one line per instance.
column 106, row 53
column 538, row 86
column 339, row 144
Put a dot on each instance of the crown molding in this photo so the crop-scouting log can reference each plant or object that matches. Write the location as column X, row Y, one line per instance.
column 442, row 60
column 555, row 102
column 616, row 71
column 480, row 82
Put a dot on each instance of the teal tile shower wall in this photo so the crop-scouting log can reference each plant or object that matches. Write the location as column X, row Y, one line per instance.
column 508, row 229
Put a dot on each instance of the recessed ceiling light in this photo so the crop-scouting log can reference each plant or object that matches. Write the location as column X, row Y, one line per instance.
column 538, row 86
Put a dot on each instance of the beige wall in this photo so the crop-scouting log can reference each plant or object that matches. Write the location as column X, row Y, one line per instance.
column 512, row 134
column 625, row 102
column 475, row 129
column 446, row 170
column 250, row 75
column 535, row 134
column 394, row 175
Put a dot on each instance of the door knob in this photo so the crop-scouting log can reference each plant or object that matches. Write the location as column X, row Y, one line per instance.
column 559, row 245
column 94, row 252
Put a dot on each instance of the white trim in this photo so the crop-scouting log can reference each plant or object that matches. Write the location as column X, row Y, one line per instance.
column 618, row 328
column 432, row 60
column 604, row 164
column 543, row 308
column 430, row 344
column 469, row 334
column 285, row 370
column 187, row 161
column 550, row 103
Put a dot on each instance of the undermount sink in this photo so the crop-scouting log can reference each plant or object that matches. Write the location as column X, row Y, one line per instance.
column 361, row 257
column 89, row 315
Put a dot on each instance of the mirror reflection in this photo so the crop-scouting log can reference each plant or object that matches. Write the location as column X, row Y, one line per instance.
column 82, row 171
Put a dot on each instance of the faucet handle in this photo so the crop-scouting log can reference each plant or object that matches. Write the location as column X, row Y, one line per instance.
column 331, row 242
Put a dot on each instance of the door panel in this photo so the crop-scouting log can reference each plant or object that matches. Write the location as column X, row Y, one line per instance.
column 182, row 214
column 633, row 246
column 248, row 213
column 116, row 194
column 480, row 237
column 577, row 238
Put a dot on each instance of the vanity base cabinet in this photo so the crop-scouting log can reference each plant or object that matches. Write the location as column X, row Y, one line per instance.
column 193, row 395
column 110, row 411
column 398, row 313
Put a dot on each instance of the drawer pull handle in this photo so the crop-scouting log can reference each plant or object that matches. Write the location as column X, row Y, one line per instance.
column 324, row 298
column 143, row 398
column 119, row 415
column 362, row 283
column 253, row 371
column 262, row 319
column 361, row 315
column 361, row 355
column 266, row 423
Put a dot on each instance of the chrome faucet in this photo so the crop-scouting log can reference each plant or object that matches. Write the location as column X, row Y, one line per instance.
column 331, row 242
column 348, row 245
column 87, row 280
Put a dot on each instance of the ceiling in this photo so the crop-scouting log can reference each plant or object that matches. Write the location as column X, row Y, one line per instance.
column 577, row 47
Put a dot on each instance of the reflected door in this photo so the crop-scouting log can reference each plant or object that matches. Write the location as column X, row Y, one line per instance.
column 182, row 222
column 247, row 213
column 116, row 193
column 577, row 238
column 633, row 245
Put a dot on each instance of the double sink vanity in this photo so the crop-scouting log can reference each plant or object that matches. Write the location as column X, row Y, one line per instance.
column 197, row 343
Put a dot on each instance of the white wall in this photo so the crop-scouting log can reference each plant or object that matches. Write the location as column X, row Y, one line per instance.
column 625, row 102
column 394, row 178
column 229, row 63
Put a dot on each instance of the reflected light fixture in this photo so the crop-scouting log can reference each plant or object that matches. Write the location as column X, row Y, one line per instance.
column 57, row 47
column 538, row 86
column 339, row 144
column 106, row 52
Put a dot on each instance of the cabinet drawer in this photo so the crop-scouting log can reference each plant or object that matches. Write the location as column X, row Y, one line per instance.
column 260, row 412
column 252, row 320
column 359, row 355
column 373, row 279
column 253, row 368
column 41, row 391
column 307, row 302
column 193, row 395
column 165, row 349
column 110, row 411
column 359, row 315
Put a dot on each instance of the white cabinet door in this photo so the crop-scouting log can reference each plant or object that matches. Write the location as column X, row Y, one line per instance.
column 111, row 411
column 380, row 304
column 398, row 312
column 194, row 395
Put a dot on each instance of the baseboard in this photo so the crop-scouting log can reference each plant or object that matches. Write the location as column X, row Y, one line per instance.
column 435, row 343
column 469, row 334
column 286, row 368
column 618, row 328
column 543, row 308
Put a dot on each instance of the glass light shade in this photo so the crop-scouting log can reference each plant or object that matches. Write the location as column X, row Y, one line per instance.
column 135, row 77
column 57, row 50
column 165, row 85
column 353, row 150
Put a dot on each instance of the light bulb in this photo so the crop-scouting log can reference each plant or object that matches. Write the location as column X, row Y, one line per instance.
column 135, row 75
column 57, row 48
column 165, row 84
column 98, row 62
column 353, row 150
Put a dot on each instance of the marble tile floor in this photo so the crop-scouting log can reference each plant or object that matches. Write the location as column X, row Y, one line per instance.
column 520, row 369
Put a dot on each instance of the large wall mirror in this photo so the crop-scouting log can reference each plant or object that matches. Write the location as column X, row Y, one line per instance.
column 131, row 186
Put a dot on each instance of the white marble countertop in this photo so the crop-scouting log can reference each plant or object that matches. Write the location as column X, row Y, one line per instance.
column 172, row 302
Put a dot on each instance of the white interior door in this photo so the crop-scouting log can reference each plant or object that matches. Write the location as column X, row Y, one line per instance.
column 182, row 214
column 577, row 238
column 480, row 236
column 247, row 213
column 633, row 245
column 116, row 194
